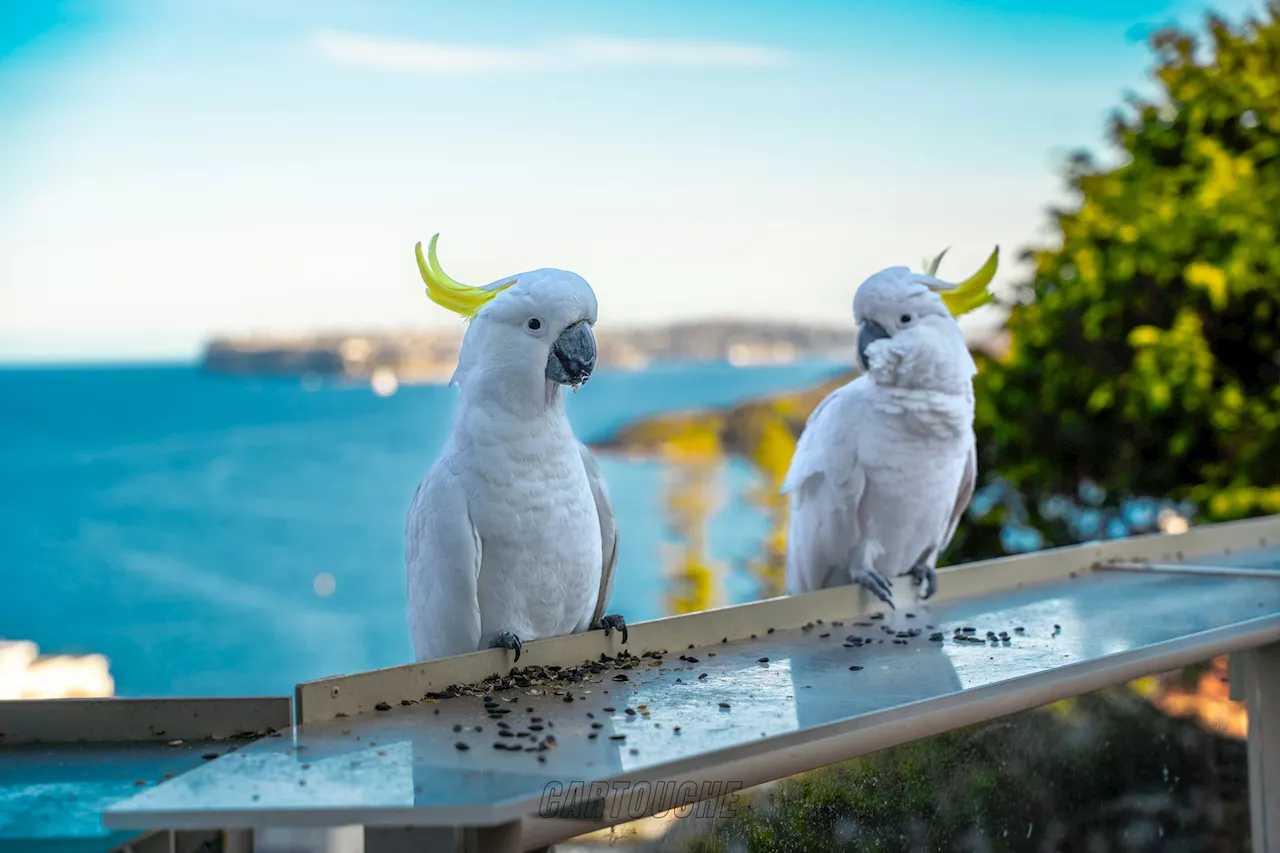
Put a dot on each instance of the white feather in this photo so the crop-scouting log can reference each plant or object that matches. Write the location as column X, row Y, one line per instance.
column 886, row 464
column 826, row 484
column 442, row 549
column 608, row 535
column 512, row 529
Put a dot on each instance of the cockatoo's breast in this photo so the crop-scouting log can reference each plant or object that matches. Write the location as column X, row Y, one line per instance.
column 914, row 451
column 541, row 553
column 921, row 416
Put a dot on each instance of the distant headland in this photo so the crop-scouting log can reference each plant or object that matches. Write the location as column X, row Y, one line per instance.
column 388, row 359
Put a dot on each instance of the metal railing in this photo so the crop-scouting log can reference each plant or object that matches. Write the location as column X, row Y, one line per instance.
column 741, row 695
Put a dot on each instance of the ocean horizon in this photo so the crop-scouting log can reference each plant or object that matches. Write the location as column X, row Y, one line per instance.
column 218, row 535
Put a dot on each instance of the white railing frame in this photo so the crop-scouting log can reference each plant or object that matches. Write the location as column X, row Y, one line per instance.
column 1255, row 678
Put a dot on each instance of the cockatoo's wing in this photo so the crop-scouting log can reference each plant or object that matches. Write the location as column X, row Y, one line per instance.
column 442, row 550
column 968, row 481
column 827, row 486
column 608, row 531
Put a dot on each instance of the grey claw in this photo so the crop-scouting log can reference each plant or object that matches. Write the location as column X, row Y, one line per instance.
column 877, row 585
column 613, row 622
column 508, row 640
column 925, row 575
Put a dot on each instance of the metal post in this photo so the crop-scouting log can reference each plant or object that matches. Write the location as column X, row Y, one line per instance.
column 336, row 839
column 197, row 840
column 1262, row 700
column 1237, row 675
column 411, row 839
column 504, row 838
column 237, row 841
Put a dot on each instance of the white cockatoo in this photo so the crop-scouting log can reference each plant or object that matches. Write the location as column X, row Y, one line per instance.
column 511, row 535
column 886, row 464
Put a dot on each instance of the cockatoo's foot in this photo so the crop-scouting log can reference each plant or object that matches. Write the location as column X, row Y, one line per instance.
column 875, row 583
column 508, row 640
column 613, row 622
column 925, row 576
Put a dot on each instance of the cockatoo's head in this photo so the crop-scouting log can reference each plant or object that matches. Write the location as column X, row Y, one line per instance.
column 907, row 330
column 899, row 305
column 529, row 335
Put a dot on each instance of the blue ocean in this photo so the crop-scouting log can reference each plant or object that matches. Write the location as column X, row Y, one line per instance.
column 177, row 521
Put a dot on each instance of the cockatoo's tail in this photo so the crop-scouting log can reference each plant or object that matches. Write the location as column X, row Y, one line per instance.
column 969, row 294
column 459, row 298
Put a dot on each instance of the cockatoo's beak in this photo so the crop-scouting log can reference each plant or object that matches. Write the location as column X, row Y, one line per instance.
column 870, row 332
column 573, row 356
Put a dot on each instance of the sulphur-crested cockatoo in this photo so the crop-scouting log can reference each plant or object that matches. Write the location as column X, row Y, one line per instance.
column 511, row 535
column 886, row 465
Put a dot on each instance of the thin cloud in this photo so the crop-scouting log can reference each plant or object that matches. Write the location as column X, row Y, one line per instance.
column 426, row 57
column 420, row 56
column 674, row 53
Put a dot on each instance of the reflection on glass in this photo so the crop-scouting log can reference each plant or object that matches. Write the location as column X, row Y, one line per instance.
column 771, row 454
column 692, row 492
column 1066, row 519
column 1041, row 780
column 1104, row 771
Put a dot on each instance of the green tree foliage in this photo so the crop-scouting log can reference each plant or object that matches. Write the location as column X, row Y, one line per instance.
column 1146, row 349
column 1103, row 771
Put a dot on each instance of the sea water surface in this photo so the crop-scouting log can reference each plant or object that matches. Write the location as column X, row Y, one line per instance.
column 176, row 521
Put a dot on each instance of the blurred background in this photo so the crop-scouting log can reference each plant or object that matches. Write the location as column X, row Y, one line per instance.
column 221, row 379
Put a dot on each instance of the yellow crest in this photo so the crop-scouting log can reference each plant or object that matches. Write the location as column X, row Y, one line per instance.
column 462, row 299
column 972, row 292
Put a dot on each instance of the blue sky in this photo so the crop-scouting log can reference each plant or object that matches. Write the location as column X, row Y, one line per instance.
column 173, row 170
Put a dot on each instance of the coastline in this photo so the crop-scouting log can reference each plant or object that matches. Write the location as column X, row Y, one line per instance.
column 388, row 359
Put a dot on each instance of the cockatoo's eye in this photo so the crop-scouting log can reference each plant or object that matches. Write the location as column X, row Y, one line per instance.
column 534, row 324
column 904, row 319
